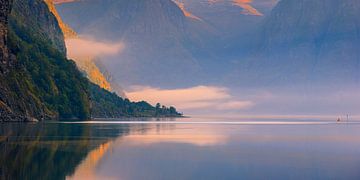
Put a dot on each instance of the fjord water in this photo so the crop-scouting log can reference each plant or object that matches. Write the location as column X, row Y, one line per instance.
column 190, row 148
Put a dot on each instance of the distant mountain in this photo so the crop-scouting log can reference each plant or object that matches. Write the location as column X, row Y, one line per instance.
column 233, row 24
column 305, row 41
column 233, row 43
column 165, row 38
column 161, row 43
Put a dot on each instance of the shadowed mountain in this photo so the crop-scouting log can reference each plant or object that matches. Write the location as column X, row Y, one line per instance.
column 306, row 41
column 161, row 45
column 236, row 43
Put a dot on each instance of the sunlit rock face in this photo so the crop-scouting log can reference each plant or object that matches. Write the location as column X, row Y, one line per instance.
column 93, row 73
column 67, row 31
column 304, row 42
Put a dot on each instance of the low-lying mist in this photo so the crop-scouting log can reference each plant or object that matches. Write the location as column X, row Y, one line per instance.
column 296, row 102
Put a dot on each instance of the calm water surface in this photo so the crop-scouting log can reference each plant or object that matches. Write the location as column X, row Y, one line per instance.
column 181, row 149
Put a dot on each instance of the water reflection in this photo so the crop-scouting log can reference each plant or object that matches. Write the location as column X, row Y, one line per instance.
column 179, row 151
column 49, row 150
column 169, row 133
column 86, row 170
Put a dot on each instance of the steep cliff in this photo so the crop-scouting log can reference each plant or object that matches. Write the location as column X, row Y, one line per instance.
column 17, row 99
column 34, row 16
column 7, row 101
column 5, row 7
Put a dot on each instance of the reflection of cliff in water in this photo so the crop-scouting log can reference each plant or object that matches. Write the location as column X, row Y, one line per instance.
column 58, row 151
column 50, row 150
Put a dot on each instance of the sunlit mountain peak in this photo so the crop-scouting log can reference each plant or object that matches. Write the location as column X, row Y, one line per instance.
column 188, row 14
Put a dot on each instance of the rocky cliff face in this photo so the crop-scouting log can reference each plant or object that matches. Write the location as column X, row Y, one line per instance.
column 34, row 15
column 11, row 109
column 5, row 7
column 5, row 111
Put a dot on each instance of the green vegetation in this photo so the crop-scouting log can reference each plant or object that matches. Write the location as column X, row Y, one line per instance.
column 48, row 76
column 105, row 104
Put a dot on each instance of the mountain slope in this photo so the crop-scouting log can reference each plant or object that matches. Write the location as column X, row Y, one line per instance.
column 306, row 41
column 5, row 8
column 156, row 35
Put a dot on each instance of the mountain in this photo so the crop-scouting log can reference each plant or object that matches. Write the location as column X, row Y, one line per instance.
column 160, row 43
column 169, row 43
column 233, row 25
column 38, row 82
column 307, row 42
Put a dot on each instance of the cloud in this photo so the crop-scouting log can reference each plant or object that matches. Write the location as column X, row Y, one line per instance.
column 80, row 48
column 236, row 105
column 193, row 98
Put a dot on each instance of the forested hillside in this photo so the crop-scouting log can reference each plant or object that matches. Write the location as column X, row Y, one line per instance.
column 37, row 81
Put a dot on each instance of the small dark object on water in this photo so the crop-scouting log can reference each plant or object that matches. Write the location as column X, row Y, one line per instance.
column 338, row 120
